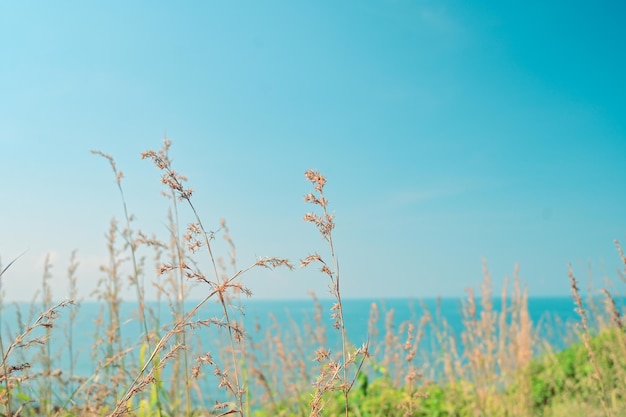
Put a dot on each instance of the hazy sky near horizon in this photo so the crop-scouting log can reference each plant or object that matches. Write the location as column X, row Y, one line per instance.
column 449, row 132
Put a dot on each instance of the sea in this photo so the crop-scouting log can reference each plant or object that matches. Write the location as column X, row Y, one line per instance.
column 554, row 319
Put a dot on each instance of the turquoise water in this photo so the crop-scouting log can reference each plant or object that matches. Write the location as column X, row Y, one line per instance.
column 549, row 314
column 554, row 319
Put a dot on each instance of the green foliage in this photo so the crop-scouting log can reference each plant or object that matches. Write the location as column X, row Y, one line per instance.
column 379, row 398
column 558, row 383
column 558, row 378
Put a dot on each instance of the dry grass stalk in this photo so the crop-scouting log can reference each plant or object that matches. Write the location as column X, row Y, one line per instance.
column 131, row 242
column 221, row 286
column 22, row 341
column 334, row 374
column 596, row 375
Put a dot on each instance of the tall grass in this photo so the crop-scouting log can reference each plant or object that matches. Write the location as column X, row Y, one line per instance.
column 334, row 375
column 496, row 365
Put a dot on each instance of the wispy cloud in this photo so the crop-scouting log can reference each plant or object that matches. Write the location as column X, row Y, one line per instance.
column 440, row 20
column 406, row 13
column 436, row 191
column 414, row 196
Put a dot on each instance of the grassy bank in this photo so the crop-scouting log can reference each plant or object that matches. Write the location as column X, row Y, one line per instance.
column 496, row 366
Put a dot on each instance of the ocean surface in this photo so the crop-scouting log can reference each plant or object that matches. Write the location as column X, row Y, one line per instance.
column 554, row 320
column 553, row 317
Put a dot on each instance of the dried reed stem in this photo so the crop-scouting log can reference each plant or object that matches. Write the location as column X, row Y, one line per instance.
column 596, row 376
column 329, row 378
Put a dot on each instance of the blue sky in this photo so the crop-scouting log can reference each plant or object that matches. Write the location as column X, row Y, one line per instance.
column 449, row 132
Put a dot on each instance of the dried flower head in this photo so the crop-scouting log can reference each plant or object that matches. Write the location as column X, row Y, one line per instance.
column 316, row 179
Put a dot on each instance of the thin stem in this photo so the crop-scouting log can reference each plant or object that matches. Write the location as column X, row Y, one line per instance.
column 180, row 301
column 346, row 388
column 174, row 182
column 220, row 289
